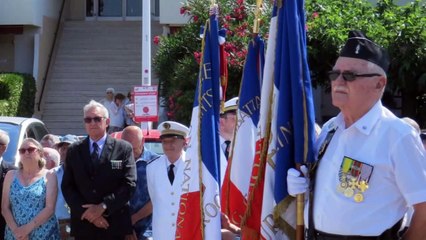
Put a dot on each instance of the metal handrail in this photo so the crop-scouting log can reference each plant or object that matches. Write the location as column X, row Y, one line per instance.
column 60, row 18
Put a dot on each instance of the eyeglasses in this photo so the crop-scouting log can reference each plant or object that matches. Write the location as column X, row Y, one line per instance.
column 96, row 119
column 349, row 76
column 29, row 150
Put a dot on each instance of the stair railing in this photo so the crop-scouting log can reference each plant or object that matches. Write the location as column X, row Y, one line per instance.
column 52, row 49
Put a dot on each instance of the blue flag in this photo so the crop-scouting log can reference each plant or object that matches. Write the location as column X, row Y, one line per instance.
column 295, row 116
column 292, row 115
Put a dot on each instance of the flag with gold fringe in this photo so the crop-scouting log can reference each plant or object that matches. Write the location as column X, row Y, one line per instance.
column 237, row 179
column 292, row 117
column 199, row 208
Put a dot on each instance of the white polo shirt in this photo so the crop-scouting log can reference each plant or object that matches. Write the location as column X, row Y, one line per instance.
column 378, row 142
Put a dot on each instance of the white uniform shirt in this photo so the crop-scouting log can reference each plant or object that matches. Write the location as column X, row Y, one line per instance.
column 223, row 160
column 164, row 196
column 398, row 179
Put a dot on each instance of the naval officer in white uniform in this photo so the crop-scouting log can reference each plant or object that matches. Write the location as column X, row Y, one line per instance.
column 164, row 176
column 227, row 123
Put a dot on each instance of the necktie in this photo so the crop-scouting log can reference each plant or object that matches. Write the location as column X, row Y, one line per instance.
column 171, row 173
column 227, row 143
column 95, row 154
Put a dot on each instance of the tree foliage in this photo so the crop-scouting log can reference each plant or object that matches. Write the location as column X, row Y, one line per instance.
column 400, row 29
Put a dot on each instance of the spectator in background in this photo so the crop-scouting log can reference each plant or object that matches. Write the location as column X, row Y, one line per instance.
column 412, row 123
column 49, row 140
column 29, row 196
column 109, row 97
column 4, row 168
column 129, row 109
column 140, row 203
column 61, row 209
column 63, row 145
column 117, row 114
column 52, row 157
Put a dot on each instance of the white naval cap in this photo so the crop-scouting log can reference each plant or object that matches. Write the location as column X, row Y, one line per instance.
column 230, row 105
column 173, row 129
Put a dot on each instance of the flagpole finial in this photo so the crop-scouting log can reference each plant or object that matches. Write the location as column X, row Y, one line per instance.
column 214, row 9
column 256, row 16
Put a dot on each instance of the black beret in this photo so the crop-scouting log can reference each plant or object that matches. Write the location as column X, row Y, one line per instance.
column 359, row 46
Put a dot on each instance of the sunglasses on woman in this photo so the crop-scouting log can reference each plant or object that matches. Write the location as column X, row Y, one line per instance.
column 349, row 76
column 28, row 150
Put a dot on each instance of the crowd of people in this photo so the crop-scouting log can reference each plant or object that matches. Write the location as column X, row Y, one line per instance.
column 370, row 167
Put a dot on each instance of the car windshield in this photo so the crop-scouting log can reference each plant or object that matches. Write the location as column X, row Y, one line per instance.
column 13, row 131
column 154, row 147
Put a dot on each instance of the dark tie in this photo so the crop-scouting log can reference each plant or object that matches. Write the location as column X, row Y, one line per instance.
column 227, row 143
column 95, row 154
column 171, row 173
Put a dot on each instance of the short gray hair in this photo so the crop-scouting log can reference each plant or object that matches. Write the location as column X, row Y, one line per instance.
column 51, row 154
column 4, row 137
column 93, row 104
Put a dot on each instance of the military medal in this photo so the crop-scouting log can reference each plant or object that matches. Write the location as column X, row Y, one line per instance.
column 349, row 192
column 340, row 188
column 353, row 178
column 359, row 197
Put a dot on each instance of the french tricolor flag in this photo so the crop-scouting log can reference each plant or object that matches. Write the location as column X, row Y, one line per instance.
column 199, row 210
column 238, row 178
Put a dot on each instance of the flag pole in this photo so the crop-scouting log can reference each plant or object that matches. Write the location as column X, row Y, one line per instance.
column 300, row 206
column 256, row 17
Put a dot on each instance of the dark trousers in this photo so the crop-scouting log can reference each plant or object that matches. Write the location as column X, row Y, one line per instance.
column 100, row 236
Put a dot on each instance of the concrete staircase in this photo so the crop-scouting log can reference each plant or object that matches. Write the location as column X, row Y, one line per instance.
column 92, row 56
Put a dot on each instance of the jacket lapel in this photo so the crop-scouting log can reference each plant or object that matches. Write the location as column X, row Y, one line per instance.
column 107, row 150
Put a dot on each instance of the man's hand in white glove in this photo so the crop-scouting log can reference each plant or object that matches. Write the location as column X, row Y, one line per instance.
column 296, row 183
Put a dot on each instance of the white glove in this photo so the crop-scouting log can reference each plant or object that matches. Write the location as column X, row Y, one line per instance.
column 297, row 184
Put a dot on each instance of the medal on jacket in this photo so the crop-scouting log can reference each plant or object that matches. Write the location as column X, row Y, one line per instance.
column 353, row 178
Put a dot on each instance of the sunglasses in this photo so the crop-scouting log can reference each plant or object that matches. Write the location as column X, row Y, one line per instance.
column 96, row 119
column 29, row 150
column 349, row 76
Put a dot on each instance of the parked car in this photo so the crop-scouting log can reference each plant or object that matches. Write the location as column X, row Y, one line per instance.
column 18, row 129
column 152, row 140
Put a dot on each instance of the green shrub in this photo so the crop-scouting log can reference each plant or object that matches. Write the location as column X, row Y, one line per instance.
column 17, row 94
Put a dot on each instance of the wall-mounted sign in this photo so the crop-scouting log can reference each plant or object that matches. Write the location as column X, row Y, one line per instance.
column 146, row 103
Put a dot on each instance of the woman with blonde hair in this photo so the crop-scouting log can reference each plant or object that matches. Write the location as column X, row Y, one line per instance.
column 29, row 197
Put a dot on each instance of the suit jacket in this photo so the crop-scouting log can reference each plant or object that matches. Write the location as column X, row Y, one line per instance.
column 4, row 168
column 112, row 182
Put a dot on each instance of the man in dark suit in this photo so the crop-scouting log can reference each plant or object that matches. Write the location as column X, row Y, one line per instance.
column 4, row 167
column 98, row 181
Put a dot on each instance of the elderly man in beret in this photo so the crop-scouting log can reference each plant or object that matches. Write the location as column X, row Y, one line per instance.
column 370, row 164
column 164, row 177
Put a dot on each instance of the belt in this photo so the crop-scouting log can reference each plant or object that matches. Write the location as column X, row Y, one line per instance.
column 327, row 236
column 63, row 221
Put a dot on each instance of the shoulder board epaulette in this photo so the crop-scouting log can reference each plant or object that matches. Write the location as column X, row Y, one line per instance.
column 152, row 160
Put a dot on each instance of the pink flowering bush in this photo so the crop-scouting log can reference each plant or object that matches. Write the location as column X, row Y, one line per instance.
column 179, row 54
